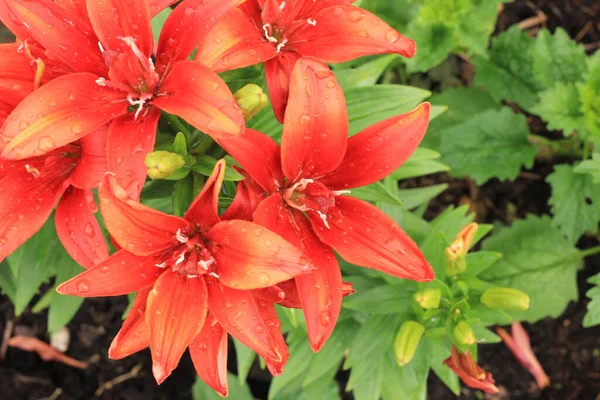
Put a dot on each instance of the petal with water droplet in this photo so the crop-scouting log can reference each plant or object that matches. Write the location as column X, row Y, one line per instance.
column 91, row 166
column 204, row 211
column 133, row 335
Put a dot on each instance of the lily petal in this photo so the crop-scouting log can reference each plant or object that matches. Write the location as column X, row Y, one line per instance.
column 238, row 312
column 120, row 274
column 252, row 257
column 204, row 211
column 278, row 71
column 364, row 235
column 175, row 314
column 113, row 20
column 156, row 6
column 315, row 131
column 248, row 196
column 380, row 149
column 269, row 315
column 235, row 42
column 67, row 37
column 186, row 27
column 78, row 229
column 76, row 7
column 139, row 229
column 344, row 33
column 129, row 141
column 133, row 335
column 319, row 291
column 209, row 354
column 58, row 113
column 259, row 155
column 92, row 165
column 198, row 95
column 16, row 75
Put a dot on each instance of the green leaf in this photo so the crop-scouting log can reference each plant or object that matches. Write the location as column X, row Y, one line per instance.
column 376, row 192
column 8, row 281
column 439, row 351
column 495, row 142
column 589, row 92
column 538, row 260
column 480, row 261
column 180, row 144
column 206, row 164
column 560, row 107
column 415, row 197
column 591, row 167
column 484, row 335
column 183, row 196
column 557, row 58
column 237, row 391
column 374, row 338
column 436, row 41
column 575, row 202
column 389, row 299
column 245, row 358
column 421, row 163
column 476, row 25
column 34, row 262
column 158, row 21
column 63, row 308
column 44, row 302
column 291, row 379
column 592, row 317
column 366, row 74
column 507, row 73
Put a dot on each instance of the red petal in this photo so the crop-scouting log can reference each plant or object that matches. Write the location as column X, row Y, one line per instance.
column 140, row 229
column 203, row 213
column 76, row 7
column 198, row 95
column 247, row 197
column 258, row 154
column 176, row 311
column 277, row 72
column 66, row 36
column 238, row 312
column 269, row 315
column 235, row 42
column 364, row 235
column 209, row 354
column 133, row 335
column 129, row 141
column 156, row 6
column 120, row 274
column 16, row 75
column 116, row 19
column 380, row 149
column 186, row 27
column 319, row 291
column 344, row 33
column 14, row 24
column 315, row 131
column 58, row 113
column 251, row 257
column 78, row 229
column 28, row 198
column 92, row 165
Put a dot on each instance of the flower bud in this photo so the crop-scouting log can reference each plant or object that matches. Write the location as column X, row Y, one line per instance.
column 429, row 298
column 505, row 299
column 463, row 333
column 251, row 100
column 456, row 253
column 162, row 164
column 407, row 340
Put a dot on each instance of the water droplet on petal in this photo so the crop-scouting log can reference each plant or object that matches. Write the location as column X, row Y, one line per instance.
column 264, row 278
column 77, row 130
column 258, row 232
column 259, row 329
column 83, row 286
column 89, row 230
column 356, row 15
column 304, row 119
column 325, row 318
column 392, row 36
column 46, row 144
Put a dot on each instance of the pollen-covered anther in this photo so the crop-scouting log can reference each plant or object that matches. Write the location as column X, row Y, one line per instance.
column 341, row 192
column 323, row 217
column 180, row 259
column 267, row 28
column 101, row 81
column 282, row 6
column 101, row 47
column 312, row 22
column 33, row 171
column 181, row 237
column 141, row 102
column 204, row 264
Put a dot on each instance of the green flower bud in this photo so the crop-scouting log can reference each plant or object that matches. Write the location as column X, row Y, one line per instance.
column 407, row 340
column 505, row 299
column 162, row 164
column 456, row 253
column 429, row 299
column 251, row 100
column 463, row 333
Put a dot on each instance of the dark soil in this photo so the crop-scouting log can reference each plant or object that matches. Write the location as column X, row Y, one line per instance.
column 569, row 353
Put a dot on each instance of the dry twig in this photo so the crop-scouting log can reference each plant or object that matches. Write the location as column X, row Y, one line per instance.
column 134, row 373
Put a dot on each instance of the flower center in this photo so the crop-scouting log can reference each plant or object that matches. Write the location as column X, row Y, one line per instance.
column 275, row 35
column 307, row 194
column 191, row 258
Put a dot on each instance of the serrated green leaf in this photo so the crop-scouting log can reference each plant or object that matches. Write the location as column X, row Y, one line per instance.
column 568, row 59
column 575, row 202
column 436, row 41
column 389, row 299
column 589, row 92
column 560, row 107
column 495, row 142
column 590, row 167
column 476, row 25
column 538, row 260
column 245, row 358
column 592, row 317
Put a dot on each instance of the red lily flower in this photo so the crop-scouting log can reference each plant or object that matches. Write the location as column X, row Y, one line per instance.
column 471, row 374
column 305, row 179
column 110, row 52
column 279, row 32
column 183, row 268
column 31, row 188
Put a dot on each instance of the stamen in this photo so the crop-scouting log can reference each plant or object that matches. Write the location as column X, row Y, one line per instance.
column 312, row 22
column 214, row 275
column 205, row 264
column 281, row 45
column 324, row 218
column 101, row 47
column 180, row 237
column 161, row 265
column 180, row 259
column 301, row 185
column 32, row 170
column 267, row 28
column 101, row 81
column 340, row 192
column 282, row 6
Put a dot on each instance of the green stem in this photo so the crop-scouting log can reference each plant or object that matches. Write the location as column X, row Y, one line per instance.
column 177, row 125
column 549, row 148
column 589, row 252
column 204, row 146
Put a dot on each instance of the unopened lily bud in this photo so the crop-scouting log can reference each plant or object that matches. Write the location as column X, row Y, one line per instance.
column 429, row 299
column 407, row 340
column 456, row 253
column 162, row 164
column 463, row 333
column 505, row 299
column 251, row 99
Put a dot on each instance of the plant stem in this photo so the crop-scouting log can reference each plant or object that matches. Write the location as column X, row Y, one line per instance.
column 204, row 146
column 547, row 148
column 589, row 252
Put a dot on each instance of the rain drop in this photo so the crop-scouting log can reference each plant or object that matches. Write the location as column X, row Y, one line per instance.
column 46, row 144
column 325, row 318
column 392, row 36
column 83, row 286
column 264, row 278
column 356, row 15
column 89, row 230
column 259, row 329
column 77, row 130
column 304, row 119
